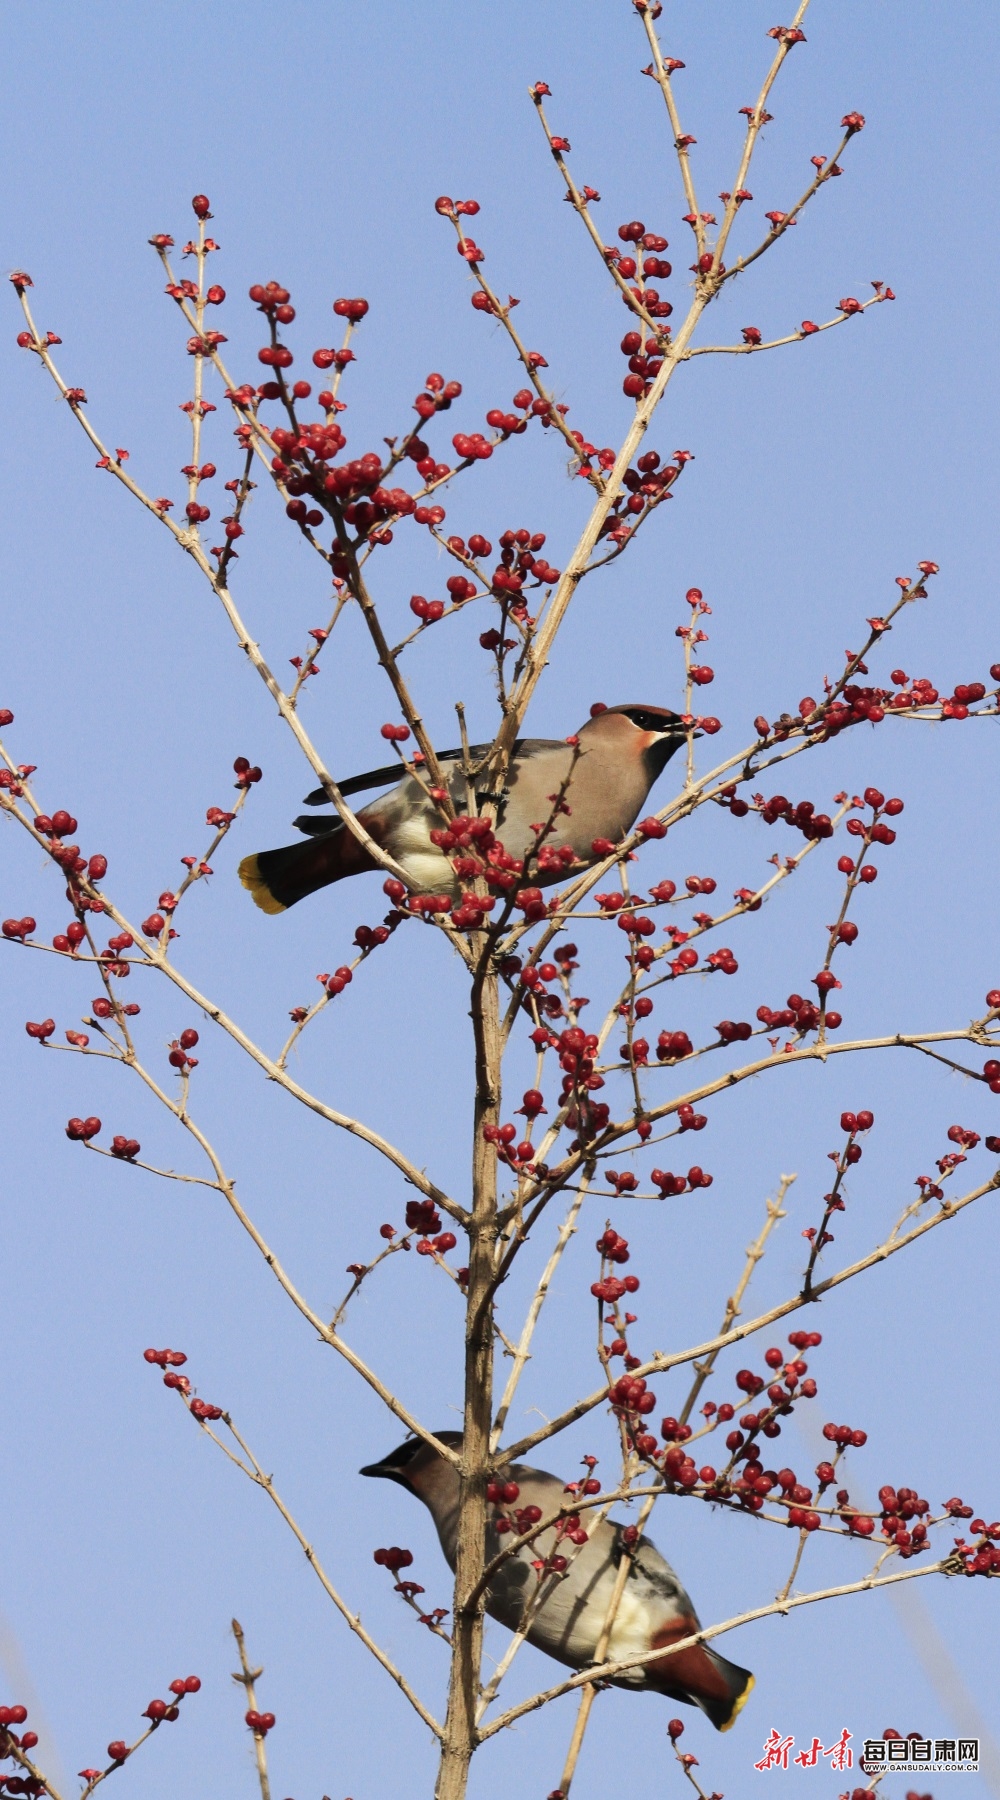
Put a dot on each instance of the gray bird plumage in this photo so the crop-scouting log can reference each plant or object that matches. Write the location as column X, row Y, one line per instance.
column 654, row 1610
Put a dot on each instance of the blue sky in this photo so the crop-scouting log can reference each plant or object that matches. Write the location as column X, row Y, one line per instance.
column 822, row 471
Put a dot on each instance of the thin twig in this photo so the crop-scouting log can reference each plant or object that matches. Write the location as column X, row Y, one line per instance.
column 247, row 1679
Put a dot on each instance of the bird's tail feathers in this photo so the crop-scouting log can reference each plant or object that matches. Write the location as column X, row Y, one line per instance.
column 257, row 886
column 279, row 878
column 741, row 1685
column 701, row 1676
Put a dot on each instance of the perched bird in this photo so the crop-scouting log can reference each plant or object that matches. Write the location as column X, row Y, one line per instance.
column 654, row 1611
column 622, row 750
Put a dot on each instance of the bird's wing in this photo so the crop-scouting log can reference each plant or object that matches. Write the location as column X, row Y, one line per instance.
column 393, row 772
column 359, row 784
column 652, row 1570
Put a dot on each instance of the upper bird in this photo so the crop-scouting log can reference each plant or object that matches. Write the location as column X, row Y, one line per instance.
column 622, row 750
column 654, row 1611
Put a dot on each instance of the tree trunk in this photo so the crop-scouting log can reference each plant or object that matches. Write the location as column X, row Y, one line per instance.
column 460, row 1721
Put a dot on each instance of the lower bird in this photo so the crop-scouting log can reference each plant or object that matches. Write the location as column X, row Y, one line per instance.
column 653, row 1613
column 622, row 751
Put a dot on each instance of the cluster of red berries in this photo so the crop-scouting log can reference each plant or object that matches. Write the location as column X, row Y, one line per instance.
column 437, row 397
column 514, row 1155
column 644, row 487
column 118, row 1750
column 178, row 1056
column 445, row 1241
column 636, row 238
column 630, row 1395
column 859, row 704
column 646, row 484
column 502, row 1495
column 900, row 1507
column 670, row 1184
column 393, row 1558
column 520, row 563
column 611, row 1288
column 473, row 446
column 625, row 1183
column 260, row 1723
column 982, row 1558
column 13, row 1715
column 422, row 1216
column 103, row 1009
column 781, row 1395
column 636, row 925
column 82, row 1130
column 112, row 958
column 854, row 1122
column 158, row 1710
column 429, row 611
column 369, row 937
column 476, row 854
column 845, row 1435
column 56, row 828
column 798, row 1013
column 336, row 983
column 203, row 1409
column 577, row 1049
column 991, row 1075
column 165, row 1359
column 689, row 1120
column 520, row 1521
column 803, row 816
column 171, row 1360
column 734, row 1031
column 611, row 1246
column 19, row 928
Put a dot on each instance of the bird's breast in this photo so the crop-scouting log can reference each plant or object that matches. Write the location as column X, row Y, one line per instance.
column 632, row 1631
column 425, row 866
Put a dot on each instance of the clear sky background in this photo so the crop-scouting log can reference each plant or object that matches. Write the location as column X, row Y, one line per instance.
column 322, row 136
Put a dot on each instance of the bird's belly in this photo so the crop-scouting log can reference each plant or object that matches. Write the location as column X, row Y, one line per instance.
column 569, row 1622
column 425, row 865
column 630, row 1635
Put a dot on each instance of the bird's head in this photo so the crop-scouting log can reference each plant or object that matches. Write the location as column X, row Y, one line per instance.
column 647, row 734
column 424, row 1472
column 416, row 1465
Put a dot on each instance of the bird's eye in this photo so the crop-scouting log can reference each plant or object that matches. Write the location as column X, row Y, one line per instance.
column 646, row 721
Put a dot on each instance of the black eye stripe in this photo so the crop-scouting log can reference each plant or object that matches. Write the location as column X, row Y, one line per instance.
column 648, row 721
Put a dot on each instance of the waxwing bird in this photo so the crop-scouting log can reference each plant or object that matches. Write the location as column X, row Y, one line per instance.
column 654, row 1611
column 622, row 752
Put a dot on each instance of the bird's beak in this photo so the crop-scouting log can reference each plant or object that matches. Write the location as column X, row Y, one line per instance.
column 387, row 1472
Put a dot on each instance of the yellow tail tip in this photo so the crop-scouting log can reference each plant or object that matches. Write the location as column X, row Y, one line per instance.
column 740, row 1704
column 252, row 879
